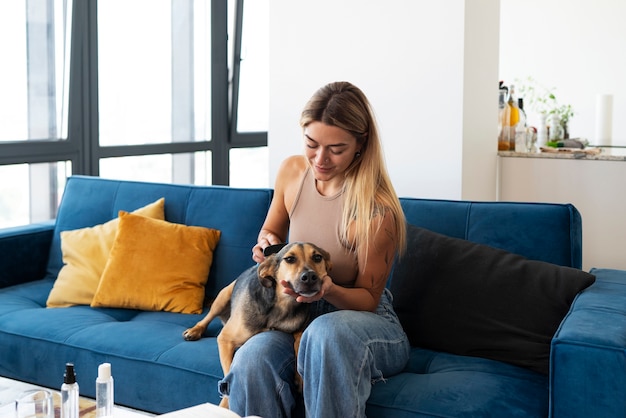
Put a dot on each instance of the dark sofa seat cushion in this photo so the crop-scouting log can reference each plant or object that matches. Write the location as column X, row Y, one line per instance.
column 471, row 299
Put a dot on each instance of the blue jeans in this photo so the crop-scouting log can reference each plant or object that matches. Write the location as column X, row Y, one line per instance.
column 342, row 353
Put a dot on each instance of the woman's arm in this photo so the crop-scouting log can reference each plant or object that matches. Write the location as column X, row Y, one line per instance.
column 276, row 225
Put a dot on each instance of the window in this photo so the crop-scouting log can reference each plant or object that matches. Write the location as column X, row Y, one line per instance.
column 34, row 86
column 248, row 167
column 34, row 106
column 135, row 70
column 154, row 85
column 25, row 198
column 146, row 96
column 253, row 97
column 250, row 107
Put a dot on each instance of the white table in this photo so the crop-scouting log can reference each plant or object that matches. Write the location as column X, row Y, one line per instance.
column 11, row 389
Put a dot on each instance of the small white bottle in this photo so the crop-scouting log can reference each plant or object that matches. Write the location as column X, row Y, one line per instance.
column 69, row 393
column 104, row 391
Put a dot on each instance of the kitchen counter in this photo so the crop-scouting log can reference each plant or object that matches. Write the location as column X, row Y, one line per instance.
column 594, row 183
column 597, row 154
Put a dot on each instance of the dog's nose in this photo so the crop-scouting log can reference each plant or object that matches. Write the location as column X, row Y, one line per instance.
column 309, row 277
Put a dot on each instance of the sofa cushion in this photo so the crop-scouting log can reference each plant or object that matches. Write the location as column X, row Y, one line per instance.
column 471, row 299
column 157, row 265
column 85, row 253
column 438, row 384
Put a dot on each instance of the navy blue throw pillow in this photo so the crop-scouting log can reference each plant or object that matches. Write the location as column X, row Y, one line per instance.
column 471, row 299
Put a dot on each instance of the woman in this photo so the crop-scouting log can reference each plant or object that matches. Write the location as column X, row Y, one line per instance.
column 338, row 196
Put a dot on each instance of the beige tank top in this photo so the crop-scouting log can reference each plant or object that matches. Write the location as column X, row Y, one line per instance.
column 316, row 218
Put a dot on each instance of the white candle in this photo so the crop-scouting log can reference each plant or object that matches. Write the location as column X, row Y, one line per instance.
column 604, row 119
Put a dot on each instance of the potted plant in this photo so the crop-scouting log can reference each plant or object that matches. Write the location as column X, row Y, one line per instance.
column 543, row 101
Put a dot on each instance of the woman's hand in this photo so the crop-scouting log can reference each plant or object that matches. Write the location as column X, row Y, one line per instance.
column 327, row 285
column 265, row 240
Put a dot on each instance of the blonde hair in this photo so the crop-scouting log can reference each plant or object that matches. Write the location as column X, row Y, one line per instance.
column 368, row 191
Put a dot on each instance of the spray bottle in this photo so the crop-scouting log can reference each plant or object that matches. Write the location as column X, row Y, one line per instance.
column 69, row 393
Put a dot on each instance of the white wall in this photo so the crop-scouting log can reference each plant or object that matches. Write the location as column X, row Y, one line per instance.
column 428, row 83
column 429, row 68
column 576, row 46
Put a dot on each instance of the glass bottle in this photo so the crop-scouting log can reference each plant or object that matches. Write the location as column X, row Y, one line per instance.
column 514, row 118
column 521, row 129
column 503, row 117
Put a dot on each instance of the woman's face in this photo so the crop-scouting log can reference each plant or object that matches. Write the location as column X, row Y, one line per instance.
column 329, row 149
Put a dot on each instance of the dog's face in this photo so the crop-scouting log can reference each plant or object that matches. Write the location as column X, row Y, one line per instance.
column 301, row 264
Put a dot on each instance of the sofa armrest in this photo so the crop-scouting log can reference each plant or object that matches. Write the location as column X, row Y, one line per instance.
column 588, row 358
column 24, row 253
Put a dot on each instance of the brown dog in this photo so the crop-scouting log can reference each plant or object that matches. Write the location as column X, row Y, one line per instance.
column 255, row 301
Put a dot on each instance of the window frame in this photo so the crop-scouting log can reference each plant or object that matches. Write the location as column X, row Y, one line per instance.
column 82, row 146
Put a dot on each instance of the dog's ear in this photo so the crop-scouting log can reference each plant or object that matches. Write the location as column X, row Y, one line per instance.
column 267, row 271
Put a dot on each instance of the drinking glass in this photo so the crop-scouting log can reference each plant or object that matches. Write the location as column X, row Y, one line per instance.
column 531, row 139
column 36, row 403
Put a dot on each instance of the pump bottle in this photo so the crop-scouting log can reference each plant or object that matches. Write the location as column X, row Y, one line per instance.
column 69, row 393
column 104, row 391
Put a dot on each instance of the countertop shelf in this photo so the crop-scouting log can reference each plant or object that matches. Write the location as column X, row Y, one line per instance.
column 605, row 154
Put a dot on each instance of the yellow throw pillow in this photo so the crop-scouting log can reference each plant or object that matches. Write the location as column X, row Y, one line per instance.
column 157, row 266
column 85, row 254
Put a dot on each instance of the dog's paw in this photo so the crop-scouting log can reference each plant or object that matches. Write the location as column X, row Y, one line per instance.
column 224, row 402
column 192, row 334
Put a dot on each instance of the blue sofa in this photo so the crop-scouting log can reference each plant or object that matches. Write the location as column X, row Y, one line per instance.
column 580, row 371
